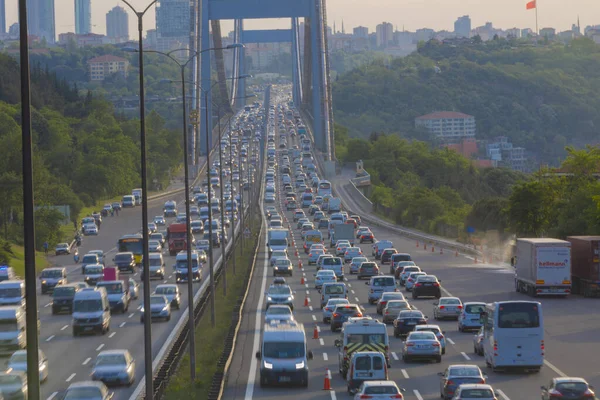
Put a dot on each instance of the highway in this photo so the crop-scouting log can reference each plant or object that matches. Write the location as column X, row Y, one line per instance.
column 71, row 358
column 571, row 336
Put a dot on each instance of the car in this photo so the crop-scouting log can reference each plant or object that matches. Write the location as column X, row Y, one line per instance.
column 100, row 254
column 298, row 214
column 90, row 229
column 269, row 198
column 134, row 289
column 87, row 390
column 471, row 391
column 62, row 298
column 447, row 307
column 314, row 254
column 283, row 266
column 279, row 280
column 152, row 227
column 301, row 222
column 13, row 383
column 125, row 262
column 368, row 270
column 412, row 278
column 197, row 226
column 323, row 276
column 280, row 294
column 52, row 277
column 159, row 220
column 399, row 267
column 385, row 297
column 379, row 390
column 406, row 272
column 393, row 308
column 406, row 321
column 116, row 206
column 341, row 313
column 18, row 362
column 360, row 230
column 321, row 259
column 478, row 342
column 323, row 223
column 62, row 248
column 379, row 246
column 154, row 246
column 367, row 236
column 203, row 244
column 386, row 255
column 277, row 254
column 355, row 264
column 427, row 285
column 318, row 215
column 114, row 367
column 470, row 317
column 456, row 375
column 279, row 312
column 160, row 308
column 352, row 252
column 341, row 247
column 421, row 345
column 567, row 388
column 330, row 306
column 437, row 331
column 171, row 292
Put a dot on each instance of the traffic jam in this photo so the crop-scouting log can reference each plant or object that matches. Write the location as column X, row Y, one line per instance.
column 346, row 311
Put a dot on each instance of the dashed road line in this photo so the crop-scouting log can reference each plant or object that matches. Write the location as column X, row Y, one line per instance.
column 501, row 393
column 70, row 378
column 100, row 347
column 395, row 356
column 87, row 360
column 554, row 368
column 310, row 308
column 349, row 285
column 357, row 299
column 321, row 342
column 52, row 396
column 64, row 327
column 112, row 334
column 450, row 341
column 465, row 355
column 314, row 318
column 404, row 373
column 48, row 305
column 50, row 338
column 308, row 292
column 306, row 285
column 318, row 329
column 122, row 324
column 332, row 393
column 131, row 315
column 139, row 307
column 417, row 394
column 325, row 357
column 352, row 290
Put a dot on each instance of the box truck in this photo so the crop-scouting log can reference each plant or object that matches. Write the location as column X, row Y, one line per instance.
column 585, row 270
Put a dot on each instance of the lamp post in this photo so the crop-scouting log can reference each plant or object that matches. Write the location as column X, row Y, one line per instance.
column 145, row 263
column 31, row 315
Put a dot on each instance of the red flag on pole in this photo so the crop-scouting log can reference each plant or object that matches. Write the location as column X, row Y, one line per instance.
column 531, row 5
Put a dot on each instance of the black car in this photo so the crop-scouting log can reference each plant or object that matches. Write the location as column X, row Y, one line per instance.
column 62, row 298
column 367, row 270
column 341, row 313
column 386, row 255
column 427, row 285
column 125, row 262
column 406, row 321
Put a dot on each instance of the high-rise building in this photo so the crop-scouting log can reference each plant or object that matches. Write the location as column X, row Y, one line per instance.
column 40, row 19
column 117, row 24
column 83, row 17
column 173, row 19
column 2, row 16
column 361, row 32
column 462, row 26
column 385, row 34
column 448, row 126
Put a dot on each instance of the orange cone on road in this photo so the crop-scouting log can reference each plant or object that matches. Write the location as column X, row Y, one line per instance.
column 475, row 260
column 424, row 246
column 302, row 281
column 441, row 250
column 300, row 264
column 316, row 332
column 432, row 249
column 327, row 382
column 306, row 301
column 417, row 244
column 456, row 254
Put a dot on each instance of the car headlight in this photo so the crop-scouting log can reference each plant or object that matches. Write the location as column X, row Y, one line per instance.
column 165, row 308
column 290, row 298
column 268, row 365
column 142, row 310
column 300, row 365
column 44, row 282
column 269, row 298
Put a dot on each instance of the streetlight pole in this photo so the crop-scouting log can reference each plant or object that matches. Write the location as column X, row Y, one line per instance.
column 31, row 313
column 145, row 263
column 223, row 244
column 233, row 209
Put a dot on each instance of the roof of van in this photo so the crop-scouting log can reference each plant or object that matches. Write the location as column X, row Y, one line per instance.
column 12, row 283
column 284, row 331
column 89, row 293
column 11, row 309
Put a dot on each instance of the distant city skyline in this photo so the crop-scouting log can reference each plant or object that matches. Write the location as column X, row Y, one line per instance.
column 402, row 14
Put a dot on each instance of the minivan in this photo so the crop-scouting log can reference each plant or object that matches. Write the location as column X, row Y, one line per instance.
column 12, row 293
column 379, row 285
column 333, row 290
column 118, row 295
column 91, row 311
column 470, row 317
column 128, row 201
column 13, row 335
column 336, row 265
column 51, row 277
column 366, row 366
column 395, row 258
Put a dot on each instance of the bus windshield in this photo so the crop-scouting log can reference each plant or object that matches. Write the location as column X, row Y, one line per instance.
column 518, row 315
column 131, row 245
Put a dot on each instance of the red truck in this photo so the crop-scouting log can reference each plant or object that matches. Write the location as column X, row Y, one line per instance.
column 585, row 265
column 176, row 237
column 111, row 274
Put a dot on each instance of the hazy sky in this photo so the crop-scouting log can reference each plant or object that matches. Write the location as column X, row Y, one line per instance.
column 410, row 14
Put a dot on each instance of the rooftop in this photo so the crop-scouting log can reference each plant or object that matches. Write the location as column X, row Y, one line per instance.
column 444, row 115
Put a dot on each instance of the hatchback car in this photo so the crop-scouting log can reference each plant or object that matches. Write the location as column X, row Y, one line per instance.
column 399, row 267
column 341, row 313
column 351, row 253
column 13, row 383
column 283, row 266
column 380, row 390
column 478, row 342
column 447, row 307
column 160, row 308
column 114, row 367
column 393, row 308
column 406, row 321
column 456, row 375
column 330, row 306
column 412, row 278
column 87, row 390
column 470, row 317
column 341, row 247
column 280, row 294
column 18, row 362
column 314, row 254
column 406, row 271
column 154, row 246
column 385, row 297
column 276, row 254
column 567, row 388
column 171, row 292
column 437, row 331
column 386, row 255
column 323, row 276
column 355, row 264
column 471, row 391
column 62, row 248
column 419, row 345
column 159, row 220
column 279, row 313
column 427, row 285
column 367, row 270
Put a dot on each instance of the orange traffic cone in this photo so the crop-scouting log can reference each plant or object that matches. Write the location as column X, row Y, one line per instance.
column 306, row 301
column 296, row 252
column 316, row 333
column 424, row 246
column 417, row 244
column 475, row 260
column 456, row 254
column 432, row 249
column 327, row 382
column 300, row 264
column 441, row 250
column 302, row 281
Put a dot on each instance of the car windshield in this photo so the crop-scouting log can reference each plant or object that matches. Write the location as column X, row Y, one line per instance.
column 63, row 291
column 426, row 278
column 283, row 349
column 384, row 282
column 51, row 274
column 110, row 359
column 477, row 394
column 280, row 253
column 334, row 302
column 368, row 265
column 449, row 301
column 90, row 259
column 404, row 263
column 157, row 300
column 156, row 236
column 346, row 309
column 83, row 393
column 421, row 336
column 428, row 329
column 332, row 261
column 62, row 246
column 392, row 296
column 88, row 305
column 397, row 304
column 575, row 387
column 9, row 380
column 464, row 371
column 475, row 308
column 93, row 270
column 280, row 290
column 381, row 390
column 154, row 262
column 279, row 311
column 410, row 314
column 334, row 289
column 19, row 357
column 166, row 290
column 518, row 315
column 112, row 288
column 123, row 258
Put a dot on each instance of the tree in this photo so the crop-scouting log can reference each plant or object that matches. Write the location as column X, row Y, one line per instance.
column 530, row 208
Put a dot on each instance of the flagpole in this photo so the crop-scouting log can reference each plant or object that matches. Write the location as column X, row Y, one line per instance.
column 537, row 32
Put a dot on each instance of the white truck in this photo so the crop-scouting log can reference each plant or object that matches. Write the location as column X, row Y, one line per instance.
column 543, row 267
column 137, row 194
column 342, row 232
column 277, row 239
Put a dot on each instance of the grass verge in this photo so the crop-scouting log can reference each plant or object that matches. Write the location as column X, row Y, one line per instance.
column 210, row 341
column 17, row 261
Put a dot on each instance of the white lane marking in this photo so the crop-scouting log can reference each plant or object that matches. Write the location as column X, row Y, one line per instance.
column 332, row 395
column 171, row 276
column 310, row 308
column 321, row 342
column 395, row 355
column 352, row 290
column 50, row 338
column 465, row 355
column 131, row 315
column 112, row 334
column 64, row 327
column 137, row 273
column 404, row 373
column 100, row 347
column 314, row 318
column 48, row 305
column 501, row 393
column 70, row 378
column 307, row 292
column 306, row 285
column 123, row 323
column 554, row 368
column 325, row 357
column 349, row 285
column 417, row 394
column 257, row 323
column 87, row 360
column 139, row 307
column 450, row 341
column 53, row 395
column 328, row 373
column 318, row 329
column 357, row 299
column 166, row 281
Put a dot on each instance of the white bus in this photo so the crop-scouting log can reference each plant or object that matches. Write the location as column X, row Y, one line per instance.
column 324, row 188
column 513, row 335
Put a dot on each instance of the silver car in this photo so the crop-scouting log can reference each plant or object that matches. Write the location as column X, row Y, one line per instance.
column 171, row 292
column 314, row 254
column 421, row 345
column 379, row 390
column 439, row 334
column 412, row 278
column 459, row 374
column 87, row 390
column 352, row 252
column 203, row 244
column 330, row 306
column 447, row 307
column 18, row 362
column 277, row 254
column 279, row 312
column 393, row 308
column 355, row 264
column 478, row 342
column 13, row 385
column 159, row 308
column 154, row 246
column 475, row 391
column 114, row 367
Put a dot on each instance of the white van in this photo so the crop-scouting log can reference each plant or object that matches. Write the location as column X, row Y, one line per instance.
column 13, row 335
column 366, row 366
column 128, row 201
column 12, row 293
column 91, row 311
column 333, row 290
